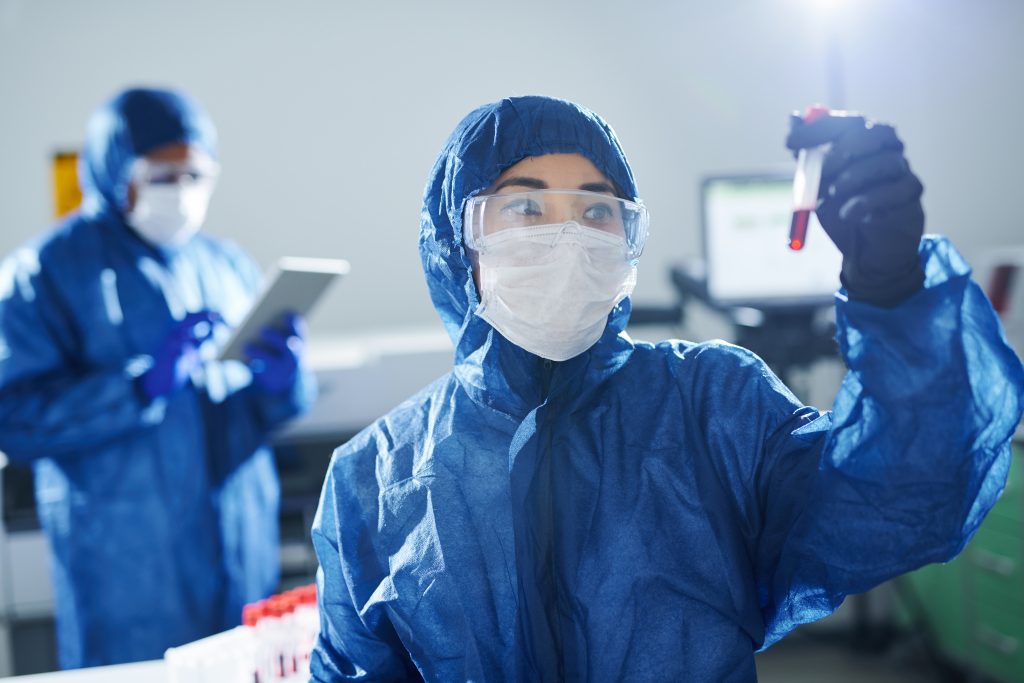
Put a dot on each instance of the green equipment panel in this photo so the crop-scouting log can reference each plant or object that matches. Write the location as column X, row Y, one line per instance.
column 974, row 605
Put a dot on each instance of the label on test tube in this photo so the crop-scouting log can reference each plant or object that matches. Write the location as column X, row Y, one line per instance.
column 806, row 182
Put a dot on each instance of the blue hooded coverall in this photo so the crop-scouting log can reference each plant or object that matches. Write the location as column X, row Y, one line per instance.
column 162, row 515
column 645, row 512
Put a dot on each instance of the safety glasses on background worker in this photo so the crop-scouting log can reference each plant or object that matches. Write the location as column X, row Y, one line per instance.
column 198, row 168
column 556, row 216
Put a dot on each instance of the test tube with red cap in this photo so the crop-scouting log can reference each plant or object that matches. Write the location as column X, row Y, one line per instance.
column 277, row 636
column 308, row 625
column 254, row 617
column 806, row 182
column 285, row 628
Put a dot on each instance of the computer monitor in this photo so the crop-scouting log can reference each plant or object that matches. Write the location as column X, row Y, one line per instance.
column 747, row 257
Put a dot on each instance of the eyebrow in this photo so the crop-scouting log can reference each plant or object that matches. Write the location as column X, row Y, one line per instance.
column 538, row 184
column 535, row 183
column 597, row 187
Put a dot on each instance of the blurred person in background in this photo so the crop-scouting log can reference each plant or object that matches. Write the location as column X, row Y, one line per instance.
column 570, row 504
column 154, row 481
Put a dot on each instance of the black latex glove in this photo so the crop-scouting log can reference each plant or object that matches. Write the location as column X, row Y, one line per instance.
column 869, row 204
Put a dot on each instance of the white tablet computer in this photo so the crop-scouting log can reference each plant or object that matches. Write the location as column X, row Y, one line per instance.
column 294, row 285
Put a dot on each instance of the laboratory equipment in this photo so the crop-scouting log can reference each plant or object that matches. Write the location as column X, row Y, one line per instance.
column 971, row 610
column 272, row 645
column 226, row 657
column 745, row 218
column 1001, row 272
column 806, row 182
column 778, row 303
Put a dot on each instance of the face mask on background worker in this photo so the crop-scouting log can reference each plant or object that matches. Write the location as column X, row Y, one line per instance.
column 552, row 264
column 171, row 198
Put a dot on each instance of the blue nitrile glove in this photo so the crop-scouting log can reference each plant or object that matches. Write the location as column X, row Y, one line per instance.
column 178, row 355
column 275, row 355
column 869, row 204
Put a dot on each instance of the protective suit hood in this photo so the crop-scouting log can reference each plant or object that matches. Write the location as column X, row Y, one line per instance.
column 132, row 124
column 484, row 144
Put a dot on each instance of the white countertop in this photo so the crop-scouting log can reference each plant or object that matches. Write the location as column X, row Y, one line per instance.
column 140, row 672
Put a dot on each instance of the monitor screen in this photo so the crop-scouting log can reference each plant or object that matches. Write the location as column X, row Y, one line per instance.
column 746, row 245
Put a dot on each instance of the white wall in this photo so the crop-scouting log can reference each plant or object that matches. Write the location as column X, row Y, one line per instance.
column 331, row 113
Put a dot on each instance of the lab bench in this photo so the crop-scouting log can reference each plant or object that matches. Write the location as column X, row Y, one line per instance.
column 151, row 672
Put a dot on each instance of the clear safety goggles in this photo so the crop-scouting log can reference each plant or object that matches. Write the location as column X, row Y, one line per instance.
column 488, row 215
column 197, row 168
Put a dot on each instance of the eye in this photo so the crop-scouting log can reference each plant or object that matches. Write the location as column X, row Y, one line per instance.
column 521, row 207
column 598, row 213
column 163, row 179
column 172, row 177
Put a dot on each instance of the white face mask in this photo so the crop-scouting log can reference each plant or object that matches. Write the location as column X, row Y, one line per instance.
column 169, row 214
column 549, row 289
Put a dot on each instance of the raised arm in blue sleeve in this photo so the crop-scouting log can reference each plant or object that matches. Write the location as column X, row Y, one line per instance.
column 915, row 452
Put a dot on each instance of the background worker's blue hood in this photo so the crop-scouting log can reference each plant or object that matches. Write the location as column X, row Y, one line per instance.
column 129, row 126
column 484, row 144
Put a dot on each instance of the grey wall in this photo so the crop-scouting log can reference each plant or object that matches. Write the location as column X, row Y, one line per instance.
column 330, row 113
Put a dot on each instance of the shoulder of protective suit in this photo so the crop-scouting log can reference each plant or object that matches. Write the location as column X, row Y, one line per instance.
column 61, row 252
column 72, row 235
column 231, row 251
column 226, row 246
column 701, row 370
column 714, row 353
column 388, row 449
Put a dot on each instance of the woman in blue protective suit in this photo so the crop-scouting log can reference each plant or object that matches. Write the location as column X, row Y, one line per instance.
column 570, row 504
column 154, row 482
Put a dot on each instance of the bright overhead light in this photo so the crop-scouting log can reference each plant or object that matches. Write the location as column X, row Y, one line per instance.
column 827, row 6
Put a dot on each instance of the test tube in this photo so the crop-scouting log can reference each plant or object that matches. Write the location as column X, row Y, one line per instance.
column 308, row 620
column 253, row 616
column 806, row 182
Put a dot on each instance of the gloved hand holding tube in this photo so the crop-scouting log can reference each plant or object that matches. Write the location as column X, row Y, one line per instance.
column 274, row 357
column 869, row 203
column 178, row 355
